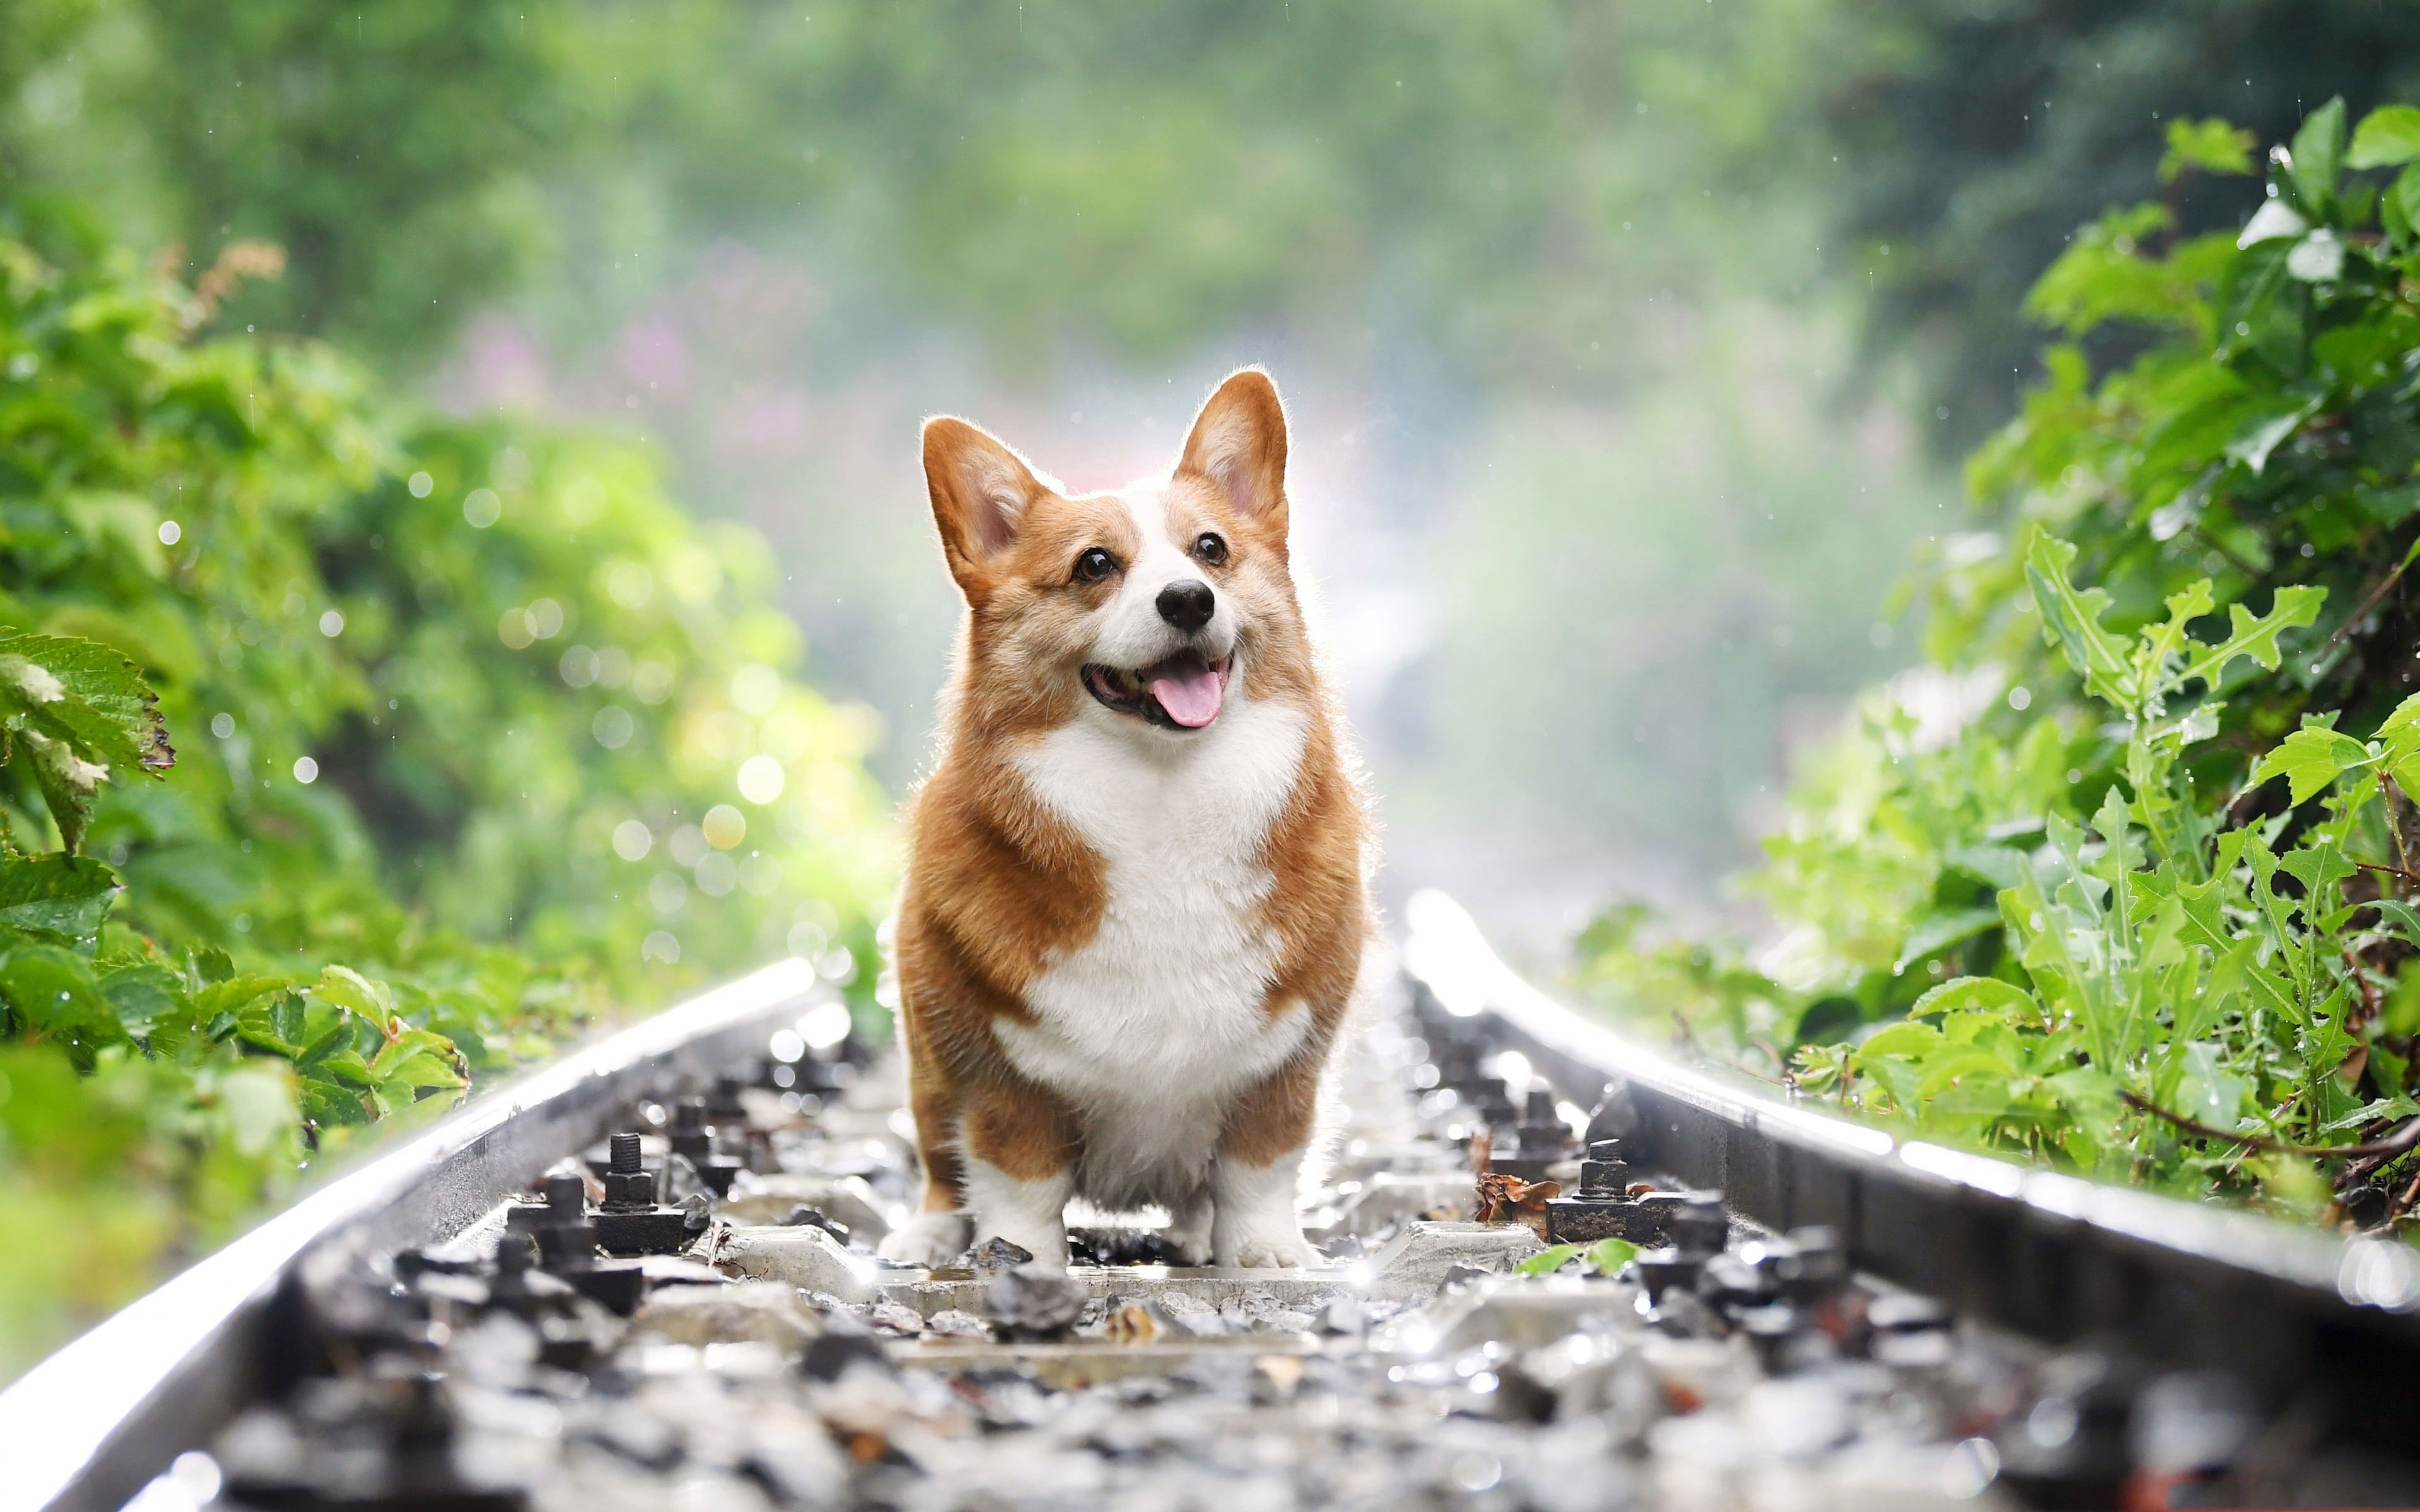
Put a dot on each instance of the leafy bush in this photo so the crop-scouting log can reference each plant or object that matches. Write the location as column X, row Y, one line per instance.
column 2117, row 886
column 478, row 738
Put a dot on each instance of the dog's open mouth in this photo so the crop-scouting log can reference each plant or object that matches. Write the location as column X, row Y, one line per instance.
column 1184, row 692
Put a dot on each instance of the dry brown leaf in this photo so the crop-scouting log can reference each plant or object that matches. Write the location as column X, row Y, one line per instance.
column 1133, row 1324
column 1508, row 1198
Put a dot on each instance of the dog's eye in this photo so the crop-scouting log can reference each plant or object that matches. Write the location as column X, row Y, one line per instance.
column 1211, row 548
column 1094, row 564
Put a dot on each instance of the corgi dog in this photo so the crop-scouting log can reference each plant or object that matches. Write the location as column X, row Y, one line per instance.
column 1136, row 903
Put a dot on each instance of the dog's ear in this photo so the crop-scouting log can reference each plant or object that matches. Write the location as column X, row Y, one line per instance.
column 1239, row 442
column 980, row 489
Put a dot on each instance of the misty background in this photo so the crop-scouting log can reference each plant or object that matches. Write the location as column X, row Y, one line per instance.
column 1631, row 349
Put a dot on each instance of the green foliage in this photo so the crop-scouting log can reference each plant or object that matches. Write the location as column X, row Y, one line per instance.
column 1606, row 1256
column 1549, row 1261
column 75, row 709
column 2160, row 888
column 482, row 740
column 1137, row 177
column 1974, row 138
column 2212, row 147
column 391, row 150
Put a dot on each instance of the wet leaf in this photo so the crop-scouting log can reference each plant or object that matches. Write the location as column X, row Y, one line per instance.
column 2274, row 221
column 2311, row 759
column 2386, row 137
column 2317, row 258
column 142, row 996
column 2319, row 152
column 1967, row 994
column 1606, row 1256
column 2211, row 145
column 1937, row 933
column 1548, row 1260
column 63, row 897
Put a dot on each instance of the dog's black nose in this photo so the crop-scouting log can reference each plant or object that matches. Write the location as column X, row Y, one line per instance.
column 1187, row 604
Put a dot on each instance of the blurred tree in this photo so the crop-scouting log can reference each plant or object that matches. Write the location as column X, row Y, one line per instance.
column 1132, row 176
column 387, row 145
column 1125, row 177
column 1974, row 135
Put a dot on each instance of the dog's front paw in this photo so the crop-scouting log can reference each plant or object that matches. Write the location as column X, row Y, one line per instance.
column 1275, row 1249
column 929, row 1239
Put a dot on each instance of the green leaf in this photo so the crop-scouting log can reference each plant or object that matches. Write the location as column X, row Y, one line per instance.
column 413, row 1043
column 2274, row 220
column 2212, row 146
column 420, row 1073
column 1936, row 933
column 2319, row 152
column 345, row 1066
column 2398, row 915
column 87, row 694
column 1906, row 1039
column 2317, row 258
column 2002, row 866
column 238, row 993
column 141, row 994
column 2205, row 1090
column 2387, row 136
column 1979, row 994
column 2071, row 620
column 1606, row 1256
column 277, row 1023
column 2405, row 715
column 2291, row 609
column 2311, row 759
column 2263, row 434
column 69, row 783
column 326, row 1105
column 2405, row 193
column 2397, row 1107
column 1983, row 1077
column 1548, row 1260
column 52, row 991
column 61, row 897
column 343, row 987
column 2319, row 868
column 257, row 1103
column 77, row 709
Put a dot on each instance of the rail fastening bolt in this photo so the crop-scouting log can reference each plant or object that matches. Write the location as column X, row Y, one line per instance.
column 567, row 1197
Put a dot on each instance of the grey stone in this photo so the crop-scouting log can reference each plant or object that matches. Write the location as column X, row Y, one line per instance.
column 1415, row 1262
column 764, row 1312
column 805, row 1257
column 846, row 1200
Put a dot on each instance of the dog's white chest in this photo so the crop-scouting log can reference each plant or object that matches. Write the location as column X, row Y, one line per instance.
column 1159, row 1018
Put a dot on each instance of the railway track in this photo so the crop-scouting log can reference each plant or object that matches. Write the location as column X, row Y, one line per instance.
column 644, row 1277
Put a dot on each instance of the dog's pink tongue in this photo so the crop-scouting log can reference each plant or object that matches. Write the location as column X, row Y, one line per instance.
column 1191, row 698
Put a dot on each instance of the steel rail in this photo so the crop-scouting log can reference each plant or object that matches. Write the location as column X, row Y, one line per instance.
column 87, row 1428
column 2312, row 1317
column 2294, row 1311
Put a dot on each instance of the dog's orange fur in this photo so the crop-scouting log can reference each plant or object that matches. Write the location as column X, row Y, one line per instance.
column 998, row 888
